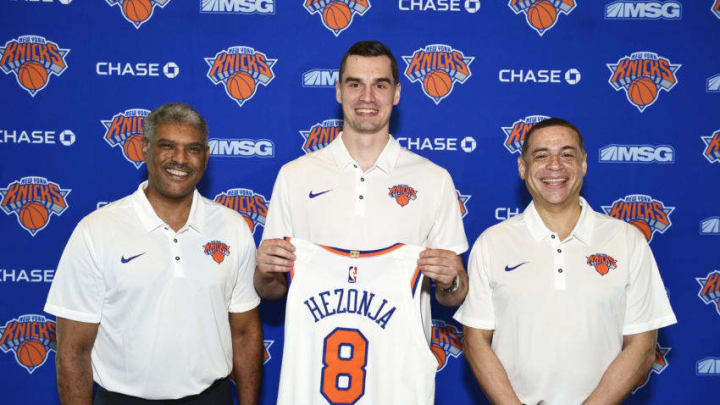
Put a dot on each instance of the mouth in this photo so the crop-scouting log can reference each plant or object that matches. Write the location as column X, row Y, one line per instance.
column 554, row 182
column 178, row 173
column 366, row 112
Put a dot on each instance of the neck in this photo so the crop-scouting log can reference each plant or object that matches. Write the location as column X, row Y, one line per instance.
column 560, row 220
column 174, row 212
column 365, row 148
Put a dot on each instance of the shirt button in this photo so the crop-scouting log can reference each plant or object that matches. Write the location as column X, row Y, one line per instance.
column 559, row 270
column 355, row 166
column 166, row 228
column 559, row 250
column 362, row 178
column 175, row 240
column 177, row 257
column 361, row 197
column 552, row 236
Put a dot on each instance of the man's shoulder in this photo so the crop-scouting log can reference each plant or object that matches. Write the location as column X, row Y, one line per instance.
column 613, row 228
column 115, row 210
column 317, row 159
column 411, row 160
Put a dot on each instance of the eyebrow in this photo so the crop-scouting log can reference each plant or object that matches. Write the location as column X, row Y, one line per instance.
column 378, row 80
column 564, row 148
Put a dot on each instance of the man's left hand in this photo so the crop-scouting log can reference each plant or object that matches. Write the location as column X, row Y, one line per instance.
column 443, row 266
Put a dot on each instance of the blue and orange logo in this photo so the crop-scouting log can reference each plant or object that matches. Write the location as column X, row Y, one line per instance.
column 716, row 8
column 515, row 134
column 462, row 201
column 642, row 75
column 33, row 59
column 137, row 12
column 712, row 146
column 217, row 250
column 403, row 194
column 646, row 213
column 337, row 15
column 33, row 200
column 659, row 365
column 446, row 342
column 542, row 15
column 602, row 263
column 31, row 338
column 438, row 67
column 125, row 130
column 710, row 289
column 252, row 206
column 321, row 134
column 267, row 356
column 240, row 69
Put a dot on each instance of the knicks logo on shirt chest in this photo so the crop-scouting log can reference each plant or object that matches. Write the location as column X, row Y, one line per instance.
column 602, row 263
column 403, row 194
column 217, row 250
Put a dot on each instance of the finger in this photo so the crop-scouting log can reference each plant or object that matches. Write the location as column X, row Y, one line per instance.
column 443, row 279
column 437, row 253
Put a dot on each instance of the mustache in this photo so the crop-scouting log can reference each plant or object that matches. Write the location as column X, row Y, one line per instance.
column 178, row 166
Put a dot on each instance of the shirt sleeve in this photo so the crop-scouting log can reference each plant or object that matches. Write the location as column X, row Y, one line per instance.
column 78, row 288
column 448, row 231
column 477, row 311
column 648, row 306
column 278, row 222
column 244, row 297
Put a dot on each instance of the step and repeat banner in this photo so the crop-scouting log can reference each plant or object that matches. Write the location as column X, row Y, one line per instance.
column 641, row 79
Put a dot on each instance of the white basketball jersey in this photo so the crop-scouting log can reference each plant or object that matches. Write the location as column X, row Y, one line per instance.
column 353, row 329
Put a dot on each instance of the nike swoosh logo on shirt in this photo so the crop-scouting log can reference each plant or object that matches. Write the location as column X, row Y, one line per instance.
column 124, row 260
column 311, row 195
column 507, row 268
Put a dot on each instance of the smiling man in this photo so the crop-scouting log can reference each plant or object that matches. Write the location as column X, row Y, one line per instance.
column 564, row 302
column 153, row 294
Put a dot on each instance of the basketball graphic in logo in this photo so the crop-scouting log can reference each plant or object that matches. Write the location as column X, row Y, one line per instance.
column 437, row 84
column 642, row 91
column 133, row 148
column 137, row 10
column 241, row 85
column 33, row 215
column 542, row 15
column 337, row 15
column 31, row 353
column 32, row 75
column 643, row 227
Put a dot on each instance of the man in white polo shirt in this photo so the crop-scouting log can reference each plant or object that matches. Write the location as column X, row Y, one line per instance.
column 153, row 294
column 564, row 302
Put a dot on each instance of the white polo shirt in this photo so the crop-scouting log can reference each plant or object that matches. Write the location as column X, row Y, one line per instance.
column 161, row 297
column 558, row 321
column 325, row 197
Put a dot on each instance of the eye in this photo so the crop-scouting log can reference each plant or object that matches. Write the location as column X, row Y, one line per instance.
column 195, row 149
column 354, row 85
column 381, row 85
column 540, row 156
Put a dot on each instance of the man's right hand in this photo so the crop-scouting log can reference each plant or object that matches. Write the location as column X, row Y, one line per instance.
column 275, row 258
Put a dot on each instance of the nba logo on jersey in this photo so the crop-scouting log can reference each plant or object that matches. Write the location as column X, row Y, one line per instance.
column 352, row 274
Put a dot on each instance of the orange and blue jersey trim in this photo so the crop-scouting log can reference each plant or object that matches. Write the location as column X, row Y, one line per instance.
column 415, row 281
column 362, row 253
column 292, row 269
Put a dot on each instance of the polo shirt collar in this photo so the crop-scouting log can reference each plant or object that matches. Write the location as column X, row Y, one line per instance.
column 385, row 162
column 151, row 221
column 582, row 230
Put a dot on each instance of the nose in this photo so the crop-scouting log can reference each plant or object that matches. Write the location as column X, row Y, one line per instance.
column 179, row 155
column 554, row 162
column 367, row 94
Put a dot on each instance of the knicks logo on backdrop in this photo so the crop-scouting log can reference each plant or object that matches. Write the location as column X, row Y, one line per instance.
column 267, row 356
column 30, row 338
column 240, row 69
column 515, row 134
column 716, row 8
column 462, row 201
column 642, row 75
column 33, row 200
column 710, row 289
column 446, row 342
column 645, row 212
column 137, row 12
column 320, row 135
column 658, row 366
column 125, row 130
column 32, row 59
column 542, row 15
column 337, row 15
column 712, row 146
column 438, row 67
column 252, row 206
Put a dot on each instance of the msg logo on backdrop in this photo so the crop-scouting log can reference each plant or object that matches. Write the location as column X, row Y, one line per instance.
column 125, row 130
column 515, row 134
column 137, row 12
column 542, row 15
column 31, row 338
column 252, row 206
column 646, row 213
column 637, row 154
column 712, row 147
column 32, row 59
column 337, row 15
column 238, row 6
column 320, row 135
column 643, row 10
column 33, row 200
column 320, row 78
column 240, row 69
column 438, row 67
column 642, row 75
column 245, row 148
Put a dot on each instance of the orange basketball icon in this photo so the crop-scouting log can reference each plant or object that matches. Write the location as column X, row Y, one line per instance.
column 439, row 354
column 642, row 91
column 32, row 75
column 542, row 15
column 336, row 15
column 137, row 10
column 402, row 199
column 33, row 215
column 241, row 85
column 218, row 256
column 31, row 353
column 133, row 148
column 643, row 227
column 437, row 83
column 602, row 268
column 249, row 222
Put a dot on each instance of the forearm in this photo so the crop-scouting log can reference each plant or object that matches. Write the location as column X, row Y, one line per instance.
column 74, row 378
column 248, row 356
column 455, row 298
column 488, row 370
column 270, row 287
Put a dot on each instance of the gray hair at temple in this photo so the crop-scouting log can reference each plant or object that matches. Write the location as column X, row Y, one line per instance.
column 174, row 113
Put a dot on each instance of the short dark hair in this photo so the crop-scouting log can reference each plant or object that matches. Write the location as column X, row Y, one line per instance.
column 551, row 122
column 370, row 48
column 174, row 113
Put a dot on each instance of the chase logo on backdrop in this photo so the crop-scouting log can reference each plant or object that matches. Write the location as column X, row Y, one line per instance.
column 337, row 15
column 710, row 289
column 139, row 69
column 572, row 76
column 643, row 10
column 471, row 6
column 27, row 275
column 451, row 144
column 462, row 201
column 32, row 59
column 125, row 130
column 240, row 69
column 137, row 12
column 645, row 212
column 37, row 137
column 252, row 206
column 320, row 135
column 30, row 338
column 713, row 83
column 712, row 147
column 642, row 75
column 709, row 366
column 237, row 6
column 320, row 78
column 33, row 200
column 542, row 15
column 438, row 67
column 716, row 8
column 637, row 154
column 515, row 134
column 658, row 366
column 446, row 342
column 710, row 226
column 245, row 148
